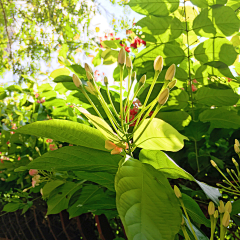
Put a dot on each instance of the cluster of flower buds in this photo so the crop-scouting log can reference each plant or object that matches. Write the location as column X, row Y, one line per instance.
column 129, row 114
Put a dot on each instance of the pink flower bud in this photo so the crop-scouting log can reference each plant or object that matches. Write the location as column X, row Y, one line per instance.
column 33, row 172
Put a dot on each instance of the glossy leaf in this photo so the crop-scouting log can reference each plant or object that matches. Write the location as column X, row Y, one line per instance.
column 66, row 131
column 76, row 159
column 59, row 72
column 206, row 3
column 162, row 162
column 159, row 135
column 146, row 203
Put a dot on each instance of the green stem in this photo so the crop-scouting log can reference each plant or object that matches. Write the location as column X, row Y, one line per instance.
column 111, row 102
column 185, row 233
column 196, row 152
column 121, row 94
column 185, row 211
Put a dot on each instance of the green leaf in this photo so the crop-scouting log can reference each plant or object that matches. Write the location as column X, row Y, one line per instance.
column 109, row 56
column 160, row 29
column 92, row 199
column 216, row 97
column 78, row 70
column 196, row 130
column 97, row 59
column 162, row 162
column 110, row 44
column 234, row 4
column 76, row 159
column 12, row 206
column 66, row 131
column 14, row 88
column 159, row 135
column 177, row 119
column 44, row 87
column 235, row 207
column 221, row 118
column 59, row 72
column 63, row 78
column 154, row 7
column 220, row 21
column 50, row 186
column 63, row 51
column 59, row 198
column 217, row 49
column 101, row 178
column 206, row 3
column 171, row 54
column 194, row 211
column 146, row 202
column 101, row 125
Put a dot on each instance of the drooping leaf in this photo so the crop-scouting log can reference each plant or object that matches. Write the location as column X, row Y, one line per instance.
column 66, row 131
column 50, row 186
column 159, row 135
column 165, row 164
column 156, row 8
column 92, row 199
column 146, row 203
column 59, row 198
column 216, row 97
column 59, row 72
column 194, row 211
column 220, row 118
column 76, row 159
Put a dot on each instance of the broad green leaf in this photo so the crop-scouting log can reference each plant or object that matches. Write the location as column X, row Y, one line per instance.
column 217, row 49
column 59, row 198
column 14, row 88
column 221, row 118
column 206, row 3
column 59, row 72
column 162, row 162
column 101, row 125
column 146, row 203
column 159, row 135
column 50, row 186
column 76, row 159
column 110, row 44
column 12, row 206
column 154, row 7
column 48, row 95
column 220, row 21
column 194, row 211
column 102, row 178
column 66, row 131
column 97, row 59
column 160, row 29
column 216, row 97
column 45, row 87
column 234, row 4
column 177, row 119
column 57, row 102
column 78, row 70
column 171, row 54
column 196, row 130
column 92, row 198
column 63, row 51
column 63, row 78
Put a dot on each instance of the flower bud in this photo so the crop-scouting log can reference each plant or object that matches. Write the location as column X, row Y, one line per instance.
column 215, row 214
column 122, row 57
column 226, row 219
column 89, row 76
column 228, row 171
column 183, row 221
column 163, row 96
column 211, row 208
column 228, row 207
column 129, row 62
column 158, row 63
column 37, row 149
column 88, row 68
column 177, row 192
column 33, row 172
column 90, row 88
column 105, row 80
column 221, row 207
column 235, row 162
column 236, row 148
column 213, row 163
column 170, row 72
column 172, row 84
column 25, row 190
column 142, row 81
column 237, row 142
column 77, row 81
column 133, row 77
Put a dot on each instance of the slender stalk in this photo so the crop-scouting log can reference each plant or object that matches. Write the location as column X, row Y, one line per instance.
column 111, row 102
column 121, row 94
column 185, row 233
column 196, row 152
